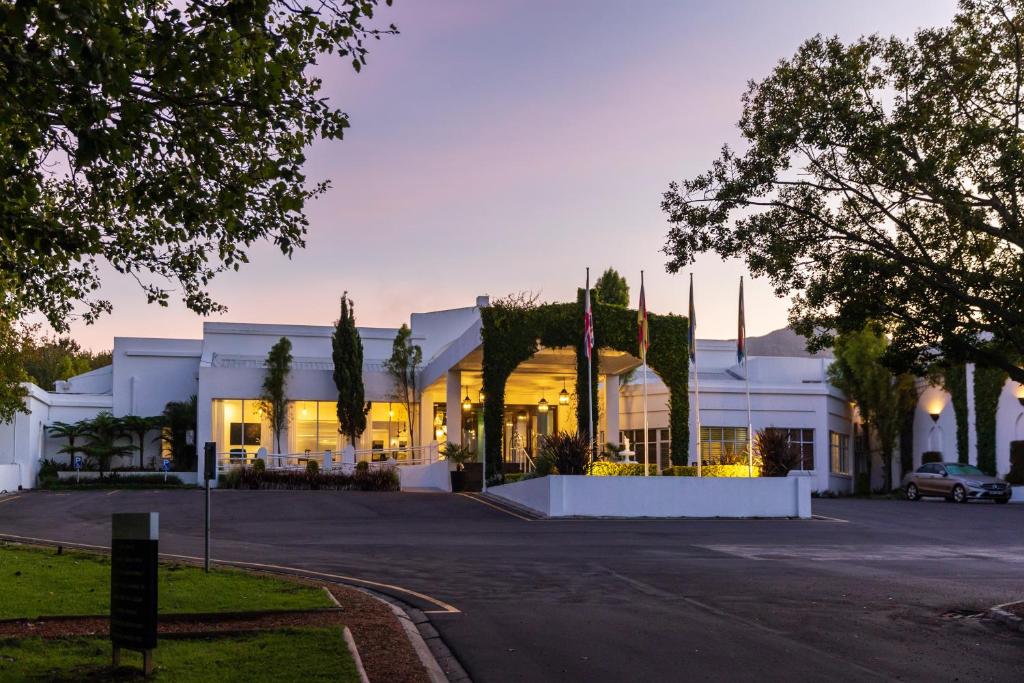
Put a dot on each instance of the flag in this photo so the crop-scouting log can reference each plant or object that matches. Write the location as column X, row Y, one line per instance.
column 741, row 336
column 643, row 332
column 588, row 320
column 693, row 326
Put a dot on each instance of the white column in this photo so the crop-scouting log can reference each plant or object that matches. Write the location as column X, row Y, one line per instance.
column 611, row 408
column 972, row 435
column 453, row 394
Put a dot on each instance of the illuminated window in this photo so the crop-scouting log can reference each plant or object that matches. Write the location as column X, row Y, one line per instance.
column 314, row 427
column 238, row 426
column 388, row 426
column 839, row 448
column 658, row 438
column 724, row 445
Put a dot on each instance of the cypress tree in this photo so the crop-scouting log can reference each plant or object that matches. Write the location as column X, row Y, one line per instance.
column 274, row 399
column 348, row 373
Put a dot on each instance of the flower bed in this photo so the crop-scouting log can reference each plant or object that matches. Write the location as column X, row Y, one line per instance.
column 382, row 479
column 712, row 471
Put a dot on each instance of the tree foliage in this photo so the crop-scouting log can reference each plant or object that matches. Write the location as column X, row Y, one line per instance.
column 48, row 360
column 882, row 181
column 140, row 426
column 347, row 353
column 611, row 288
column 274, row 394
column 180, row 418
column 403, row 365
column 882, row 398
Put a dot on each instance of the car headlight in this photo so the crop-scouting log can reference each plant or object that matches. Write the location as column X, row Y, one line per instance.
column 973, row 484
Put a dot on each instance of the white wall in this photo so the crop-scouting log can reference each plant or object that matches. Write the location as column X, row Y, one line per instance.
column 150, row 373
column 581, row 496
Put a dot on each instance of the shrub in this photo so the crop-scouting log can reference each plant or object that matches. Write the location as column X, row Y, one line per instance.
column 620, row 469
column 48, row 470
column 260, row 466
column 1016, row 474
column 458, row 453
column 312, row 468
column 513, row 477
column 565, row 453
column 777, row 453
column 711, row 471
column 362, row 466
column 380, row 479
column 931, row 456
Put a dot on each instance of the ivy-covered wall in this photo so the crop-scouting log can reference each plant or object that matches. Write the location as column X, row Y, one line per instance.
column 510, row 335
column 954, row 381
column 988, row 386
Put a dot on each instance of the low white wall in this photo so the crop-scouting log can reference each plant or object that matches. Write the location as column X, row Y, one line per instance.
column 1017, row 494
column 433, row 476
column 10, row 478
column 581, row 496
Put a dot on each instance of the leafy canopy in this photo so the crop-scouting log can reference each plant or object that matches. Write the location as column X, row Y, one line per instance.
column 882, row 181
column 883, row 399
column 612, row 288
column 347, row 354
column 163, row 138
column 274, row 394
column 402, row 366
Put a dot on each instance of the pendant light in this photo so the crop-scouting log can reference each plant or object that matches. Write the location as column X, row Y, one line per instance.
column 466, row 402
column 521, row 415
column 481, row 394
column 563, row 395
column 542, row 404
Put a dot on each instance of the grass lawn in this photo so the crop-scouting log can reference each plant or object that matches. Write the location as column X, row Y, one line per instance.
column 38, row 582
column 308, row 654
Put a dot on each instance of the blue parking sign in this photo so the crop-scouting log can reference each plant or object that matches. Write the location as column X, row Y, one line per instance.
column 78, row 462
column 166, row 465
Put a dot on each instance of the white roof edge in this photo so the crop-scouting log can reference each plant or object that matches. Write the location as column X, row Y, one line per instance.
column 288, row 330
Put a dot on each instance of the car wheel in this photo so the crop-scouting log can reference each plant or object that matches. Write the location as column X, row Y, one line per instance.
column 912, row 492
column 1002, row 501
column 959, row 494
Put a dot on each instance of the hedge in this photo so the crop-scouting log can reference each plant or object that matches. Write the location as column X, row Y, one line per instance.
column 711, row 471
column 604, row 468
column 931, row 456
column 1016, row 474
column 988, row 386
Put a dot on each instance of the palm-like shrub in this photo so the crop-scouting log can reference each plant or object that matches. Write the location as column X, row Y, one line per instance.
column 72, row 431
column 180, row 419
column 563, row 453
column 777, row 453
column 458, row 454
column 104, row 433
column 139, row 427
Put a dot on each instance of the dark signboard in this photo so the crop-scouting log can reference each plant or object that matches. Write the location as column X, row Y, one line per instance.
column 133, row 581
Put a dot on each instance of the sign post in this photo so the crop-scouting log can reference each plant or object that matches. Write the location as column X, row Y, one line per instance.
column 166, row 467
column 209, row 473
column 78, row 469
column 133, row 585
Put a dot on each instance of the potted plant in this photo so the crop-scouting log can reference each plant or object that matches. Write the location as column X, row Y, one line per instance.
column 459, row 455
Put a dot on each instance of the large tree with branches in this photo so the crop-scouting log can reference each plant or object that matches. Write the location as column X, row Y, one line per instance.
column 161, row 138
column 882, row 181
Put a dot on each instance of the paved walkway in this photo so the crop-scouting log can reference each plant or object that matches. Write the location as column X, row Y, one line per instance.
column 879, row 589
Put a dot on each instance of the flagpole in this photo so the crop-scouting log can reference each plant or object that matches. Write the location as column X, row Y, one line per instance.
column 696, row 373
column 643, row 358
column 590, row 382
column 746, row 376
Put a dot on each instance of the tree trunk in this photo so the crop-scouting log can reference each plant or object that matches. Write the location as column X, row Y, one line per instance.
column 887, row 464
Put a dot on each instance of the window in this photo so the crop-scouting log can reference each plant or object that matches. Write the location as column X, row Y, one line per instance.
column 658, row 438
column 724, row 445
column 238, row 427
column 803, row 440
column 314, row 427
column 839, row 448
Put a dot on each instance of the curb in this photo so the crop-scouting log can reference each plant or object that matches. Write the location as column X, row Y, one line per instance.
column 1007, row 618
column 439, row 661
column 350, row 643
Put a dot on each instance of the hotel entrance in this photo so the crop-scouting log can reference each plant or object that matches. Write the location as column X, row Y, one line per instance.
column 525, row 428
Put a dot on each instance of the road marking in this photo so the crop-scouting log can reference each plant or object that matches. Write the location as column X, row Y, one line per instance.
column 872, row 553
column 112, row 492
column 499, row 509
column 445, row 608
column 8, row 499
column 826, row 518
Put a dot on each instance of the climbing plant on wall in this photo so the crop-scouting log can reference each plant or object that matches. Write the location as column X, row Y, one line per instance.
column 954, row 380
column 514, row 328
column 988, row 385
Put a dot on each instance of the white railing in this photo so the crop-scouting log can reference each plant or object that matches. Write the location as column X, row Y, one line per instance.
column 520, row 456
column 344, row 460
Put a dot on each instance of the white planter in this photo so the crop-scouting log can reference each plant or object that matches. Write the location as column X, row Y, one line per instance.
column 582, row 496
column 10, row 478
column 1018, row 494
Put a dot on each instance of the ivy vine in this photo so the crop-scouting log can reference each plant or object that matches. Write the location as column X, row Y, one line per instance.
column 954, row 380
column 512, row 332
column 988, row 386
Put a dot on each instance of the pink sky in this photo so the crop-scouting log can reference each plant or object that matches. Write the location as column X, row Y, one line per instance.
column 505, row 146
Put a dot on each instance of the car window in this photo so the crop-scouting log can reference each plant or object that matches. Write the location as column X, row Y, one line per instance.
column 927, row 468
column 965, row 470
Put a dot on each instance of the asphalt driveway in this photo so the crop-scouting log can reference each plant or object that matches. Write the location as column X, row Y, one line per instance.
column 878, row 590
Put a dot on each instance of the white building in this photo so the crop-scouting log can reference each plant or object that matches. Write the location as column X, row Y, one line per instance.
column 225, row 369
